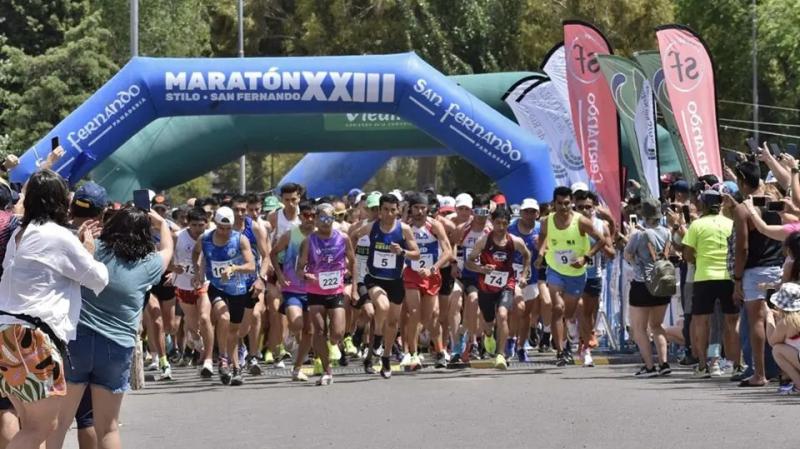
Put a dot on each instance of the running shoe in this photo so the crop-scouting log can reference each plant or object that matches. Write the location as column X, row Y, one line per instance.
column 368, row 368
column 701, row 373
column 567, row 352
column 441, row 360
column 280, row 365
column 166, row 373
column 349, row 348
column 343, row 361
column 317, row 367
column 153, row 366
column 715, row 370
column 645, row 372
column 208, row 370
column 242, row 353
column 236, row 377
column 406, row 360
column 253, row 367
column 285, row 354
column 511, row 343
column 299, row 376
column 174, row 355
column 416, row 363
column 325, row 380
column 544, row 343
column 787, row 389
column 688, row 360
column 664, row 369
column 269, row 359
column 738, row 374
column 224, row 371
column 386, row 367
column 588, row 361
column 561, row 359
column 490, row 344
column 500, row 362
column 334, row 353
column 522, row 355
column 533, row 337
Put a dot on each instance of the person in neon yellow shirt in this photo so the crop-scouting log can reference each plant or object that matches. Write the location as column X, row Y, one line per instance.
column 566, row 248
column 706, row 245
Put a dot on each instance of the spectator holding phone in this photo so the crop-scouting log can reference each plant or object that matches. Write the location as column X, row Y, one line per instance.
column 758, row 260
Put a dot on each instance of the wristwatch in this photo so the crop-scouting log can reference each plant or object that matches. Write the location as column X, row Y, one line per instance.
column 403, row 253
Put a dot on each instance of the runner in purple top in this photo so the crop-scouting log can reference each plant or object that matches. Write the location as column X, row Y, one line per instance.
column 325, row 256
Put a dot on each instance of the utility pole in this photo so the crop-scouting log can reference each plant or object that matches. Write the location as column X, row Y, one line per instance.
column 134, row 28
column 242, row 159
column 755, row 72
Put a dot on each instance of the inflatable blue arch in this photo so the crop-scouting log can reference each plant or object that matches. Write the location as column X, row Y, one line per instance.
column 402, row 84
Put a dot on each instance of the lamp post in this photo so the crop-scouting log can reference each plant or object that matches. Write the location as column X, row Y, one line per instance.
column 242, row 159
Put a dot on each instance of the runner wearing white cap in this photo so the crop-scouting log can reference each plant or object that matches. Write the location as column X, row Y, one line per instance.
column 526, row 308
column 228, row 263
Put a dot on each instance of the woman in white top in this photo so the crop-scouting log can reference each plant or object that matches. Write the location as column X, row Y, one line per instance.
column 40, row 301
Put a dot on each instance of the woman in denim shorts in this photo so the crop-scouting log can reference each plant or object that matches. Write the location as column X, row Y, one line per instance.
column 106, row 335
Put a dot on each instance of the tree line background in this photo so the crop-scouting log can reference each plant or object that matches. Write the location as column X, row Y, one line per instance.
column 55, row 53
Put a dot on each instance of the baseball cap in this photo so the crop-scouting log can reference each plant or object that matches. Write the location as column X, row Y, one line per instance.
column 729, row 187
column 90, row 196
column 224, row 215
column 579, row 187
column 271, row 203
column 463, row 199
column 651, row 208
column 397, row 194
column 499, row 199
column 447, row 204
column 711, row 197
column 529, row 203
column 354, row 192
column 374, row 199
column 680, row 186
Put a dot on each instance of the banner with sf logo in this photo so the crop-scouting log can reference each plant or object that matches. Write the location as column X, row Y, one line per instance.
column 689, row 75
column 594, row 115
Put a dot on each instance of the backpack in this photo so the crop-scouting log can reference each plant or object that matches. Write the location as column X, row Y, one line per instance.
column 662, row 281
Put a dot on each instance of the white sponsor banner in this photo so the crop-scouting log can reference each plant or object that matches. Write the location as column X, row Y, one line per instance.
column 556, row 68
column 645, row 124
column 542, row 111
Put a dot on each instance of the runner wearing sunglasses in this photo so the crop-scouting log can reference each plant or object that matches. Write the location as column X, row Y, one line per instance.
column 325, row 256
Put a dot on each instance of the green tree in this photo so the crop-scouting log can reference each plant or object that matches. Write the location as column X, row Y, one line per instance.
column 34, row 26
column 37, row 92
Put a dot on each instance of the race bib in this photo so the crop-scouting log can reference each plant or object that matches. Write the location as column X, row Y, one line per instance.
column 217, row 268
column 460, row 262
column 497, row 279
column 565, row 256
column 330, row 280
column 518, row 270
column 188, row 269
column 425, row 261
column 384, row 260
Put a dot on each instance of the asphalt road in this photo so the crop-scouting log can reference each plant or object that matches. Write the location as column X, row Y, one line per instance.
column 538, row 405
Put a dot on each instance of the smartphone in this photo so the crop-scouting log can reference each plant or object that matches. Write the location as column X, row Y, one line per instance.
column 675, row 207
column 687, row 216
column 753, row 145
column 776, row 150
column 731, row 158
column 759, row 201
column 791, row 148
column 54, row 143
column 633, row 220
column 776, row 206
column 141, row 199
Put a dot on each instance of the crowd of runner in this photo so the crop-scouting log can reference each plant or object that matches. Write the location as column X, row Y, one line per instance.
column 236, row 284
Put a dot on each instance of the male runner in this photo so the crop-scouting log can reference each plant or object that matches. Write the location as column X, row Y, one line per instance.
column 391, row 242
column 423, row 280
column 363, row 310
column 474, row 215
column 494, row 254
column 567, row 250
column 586, row 203
column 295, row 302
column 527, row 228
column 448, row 282
column 257, row 236
column 325, row 256
column 194, row 301
column 281, row 221
column 227, row 262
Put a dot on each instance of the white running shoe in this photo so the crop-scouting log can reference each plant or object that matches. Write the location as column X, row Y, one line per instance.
column 715, row 370
column 325, row 380
column 280, row 365
column 299, row 376
column 166, row 373
column 406, row 360
column 587, row 359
